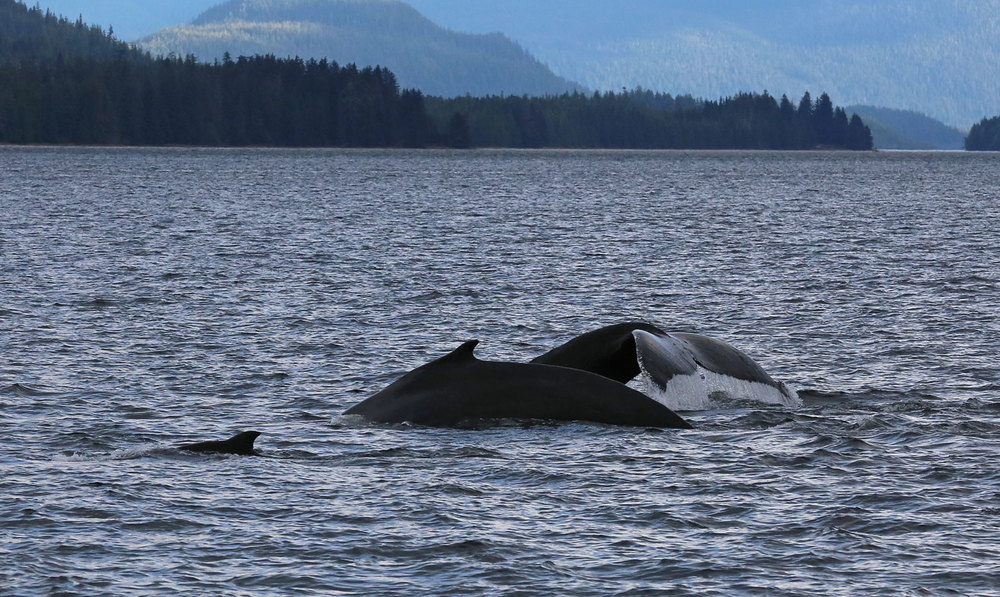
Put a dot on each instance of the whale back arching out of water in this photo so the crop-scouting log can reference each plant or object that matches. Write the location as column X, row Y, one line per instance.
column 581, row 380
column 240, row 444
column 684, row 368
column 609, row 351
column 459, row 389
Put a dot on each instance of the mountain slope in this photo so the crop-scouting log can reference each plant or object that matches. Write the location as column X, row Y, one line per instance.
column 30, row 34
column 901, row 129
column 129, row 18
column 367, row 32
column 938, row 57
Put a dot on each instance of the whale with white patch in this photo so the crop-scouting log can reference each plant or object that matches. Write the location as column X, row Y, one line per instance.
column 582, row 380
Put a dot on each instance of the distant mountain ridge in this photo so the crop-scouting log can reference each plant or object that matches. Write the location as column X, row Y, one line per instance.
column 389, row 33
column 938, row 57
column 902, row 129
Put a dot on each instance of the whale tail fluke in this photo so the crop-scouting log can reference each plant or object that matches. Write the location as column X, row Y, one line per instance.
column 686, row 371
column 240, row 444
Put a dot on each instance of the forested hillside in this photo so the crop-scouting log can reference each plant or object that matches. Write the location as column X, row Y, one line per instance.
column 169, row 101
column 903, row 129
column 106, row 93
column 31, row 34
column 383, row 32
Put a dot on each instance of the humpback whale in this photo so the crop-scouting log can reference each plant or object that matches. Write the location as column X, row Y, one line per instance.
column 458, row 389
column 609, row 351
column 581, row 380
column 666, row 354
column 623, row 351
column 240, row 444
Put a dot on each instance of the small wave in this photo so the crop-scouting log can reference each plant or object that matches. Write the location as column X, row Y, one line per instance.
column 350, row 421
column 977, row 405
column 909, row 405
column 974, row 428
column 140, row 452
column 99, row 303
column 762, row 420
column 874, row 423
column 457, row 489
column 305, row 415
column 895, row 400
column 164, row 525
column 23, row 390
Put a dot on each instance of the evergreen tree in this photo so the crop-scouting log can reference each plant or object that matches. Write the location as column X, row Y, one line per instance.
column 806, row 133
column 840, row 128
column 805, row 109
column 859, row 137
column 984, row 135
column 417, row 129
column 822, row 121
column 457, row 134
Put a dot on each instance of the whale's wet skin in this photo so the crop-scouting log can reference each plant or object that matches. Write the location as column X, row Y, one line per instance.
column 151, row 299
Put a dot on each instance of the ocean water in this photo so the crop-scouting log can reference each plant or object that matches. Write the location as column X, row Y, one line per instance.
column 153, row 297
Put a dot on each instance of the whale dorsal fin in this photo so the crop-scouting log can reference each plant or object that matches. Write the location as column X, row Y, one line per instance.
column 241, row 444
column 463, row 352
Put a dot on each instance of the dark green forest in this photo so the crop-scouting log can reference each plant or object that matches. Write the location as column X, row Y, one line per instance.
column 259, row 101
column 30, row 35
column 645, row 120
column 66, row 83
column 984, row 136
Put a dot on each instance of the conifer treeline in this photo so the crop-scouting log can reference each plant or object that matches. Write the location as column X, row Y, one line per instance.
column 266, row 101
column 170, row 101
column 30, row 34
column 64, row 82
column 645, row 120
column 984, row 135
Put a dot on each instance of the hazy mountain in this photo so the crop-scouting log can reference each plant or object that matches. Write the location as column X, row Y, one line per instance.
column 902, row 129
column 367, row 32
column 939, row 57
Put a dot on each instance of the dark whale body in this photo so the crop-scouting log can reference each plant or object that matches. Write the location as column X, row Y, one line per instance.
column 459, row 389
column 609, row 351
column 240, row 444
column 581, row 380
column 665, row 355
column 616, row 351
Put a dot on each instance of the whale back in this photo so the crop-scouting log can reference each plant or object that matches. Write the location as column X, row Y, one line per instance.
column 459, row 389
column 240, row 444
column 609, row 351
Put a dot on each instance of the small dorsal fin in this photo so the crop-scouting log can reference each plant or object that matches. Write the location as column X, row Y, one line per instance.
column 463, row 352
column 242, row 443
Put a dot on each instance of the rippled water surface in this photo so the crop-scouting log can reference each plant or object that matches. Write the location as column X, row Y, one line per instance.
column 154, row 297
